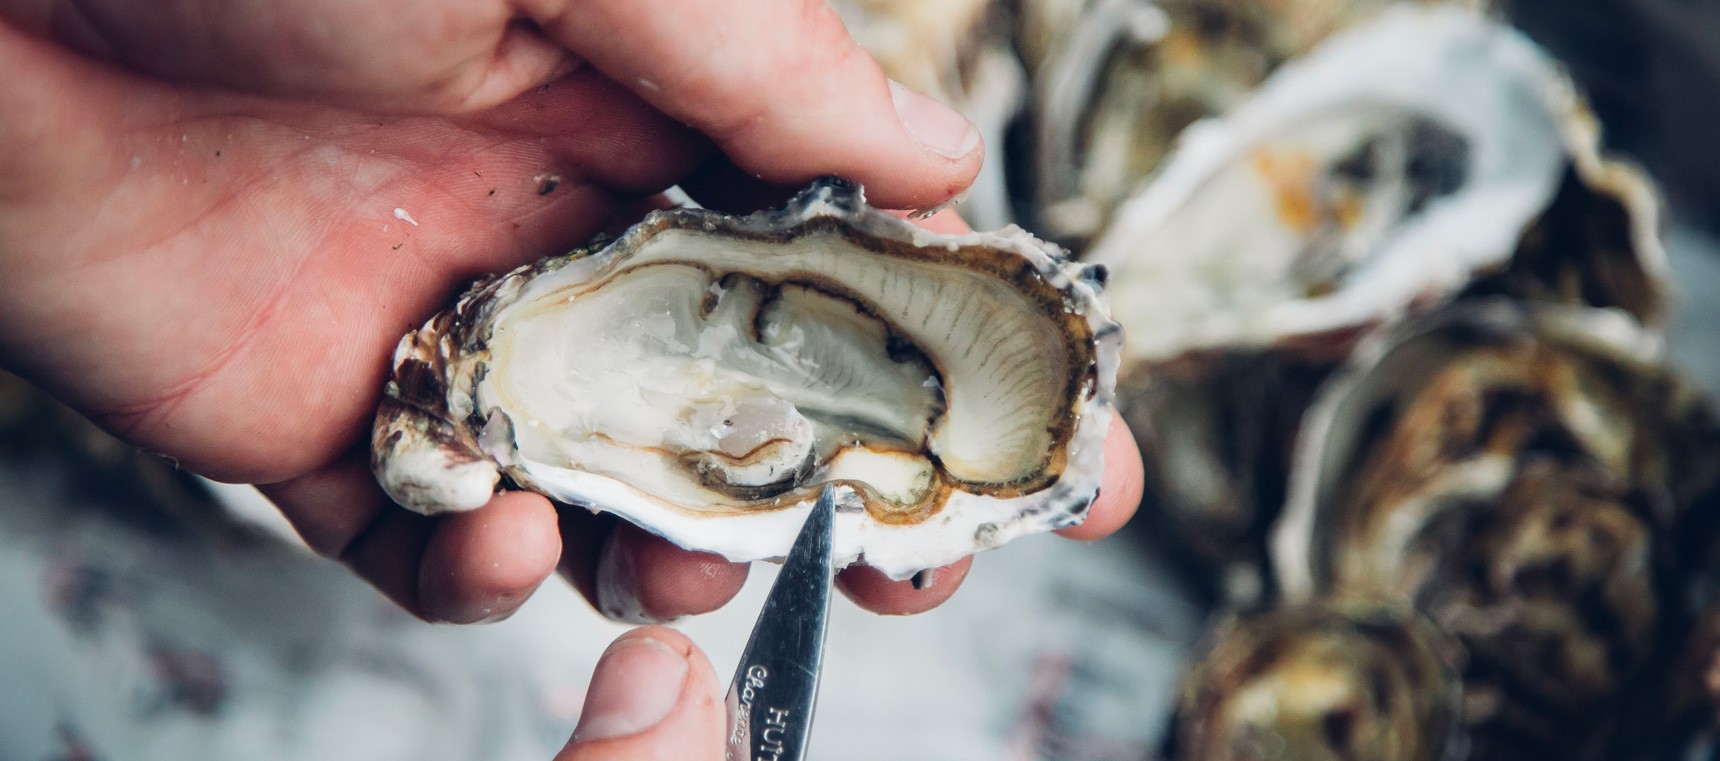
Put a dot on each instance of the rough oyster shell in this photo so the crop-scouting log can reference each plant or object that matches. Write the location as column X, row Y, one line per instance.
column 1350, row 680
column 1584, row 385
column 704, row 374
column 1515, row 471
column 1425, row 156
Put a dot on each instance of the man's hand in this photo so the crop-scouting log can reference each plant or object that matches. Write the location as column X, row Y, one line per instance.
column 213, row 233
column 777, row 84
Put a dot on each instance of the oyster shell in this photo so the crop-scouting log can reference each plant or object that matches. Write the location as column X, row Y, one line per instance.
column 1391, row 168
column 1427, row 155
column 1117, row 80
column 704, row 374
column 1516, row 472
column 1348, row 680
column 1487, row 383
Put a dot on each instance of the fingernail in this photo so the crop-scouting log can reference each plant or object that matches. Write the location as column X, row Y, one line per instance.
column 617, row 585
column 637, row 683
column 935, row 125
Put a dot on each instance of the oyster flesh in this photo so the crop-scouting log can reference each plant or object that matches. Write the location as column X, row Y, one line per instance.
column 1390, row 168
column 704, row 374
column 1115, row 82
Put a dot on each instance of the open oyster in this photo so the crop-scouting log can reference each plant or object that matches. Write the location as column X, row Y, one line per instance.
column 704, row 374
column 1427, row 155
column 1395, row 165
column 1515, row 472
column 1117, row 80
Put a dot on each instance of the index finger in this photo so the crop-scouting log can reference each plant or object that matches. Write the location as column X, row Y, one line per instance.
column 1119, row 490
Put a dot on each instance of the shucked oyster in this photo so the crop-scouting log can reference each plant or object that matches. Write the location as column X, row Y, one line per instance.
column 1425, row 156
column 1395, row 165
column 704, row 374
column 1117, row 80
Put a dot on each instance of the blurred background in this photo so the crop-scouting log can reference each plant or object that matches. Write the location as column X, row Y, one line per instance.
column 1424, row 306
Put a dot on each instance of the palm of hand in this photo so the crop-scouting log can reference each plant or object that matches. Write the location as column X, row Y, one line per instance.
column 275, row 271
column 284, row 256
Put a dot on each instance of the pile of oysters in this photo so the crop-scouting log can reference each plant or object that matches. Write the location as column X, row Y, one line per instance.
column 1392, row 339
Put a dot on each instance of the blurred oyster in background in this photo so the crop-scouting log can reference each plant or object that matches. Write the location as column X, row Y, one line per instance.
column 1517, row 472
column 145, row 621
column 1078, row 100
column 1397, row 164
column 1116, row 81
column 1414, row 159
column 1452, row 401
column 1323, row 682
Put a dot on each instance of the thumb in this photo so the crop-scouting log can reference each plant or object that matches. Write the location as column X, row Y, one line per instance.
column 780, row 86
column 653, row 696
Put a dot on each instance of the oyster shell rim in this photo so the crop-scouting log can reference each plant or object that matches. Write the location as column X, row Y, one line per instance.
column 426, row 400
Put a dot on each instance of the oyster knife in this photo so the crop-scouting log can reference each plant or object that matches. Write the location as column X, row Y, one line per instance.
column 770, row 701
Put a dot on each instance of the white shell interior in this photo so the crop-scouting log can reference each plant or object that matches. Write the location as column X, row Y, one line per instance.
column 705, row 385
column 1391, row 163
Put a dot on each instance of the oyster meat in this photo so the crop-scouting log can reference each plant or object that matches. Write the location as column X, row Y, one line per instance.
column 1393, row 166
column 1117, row 80
column 704, row 374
